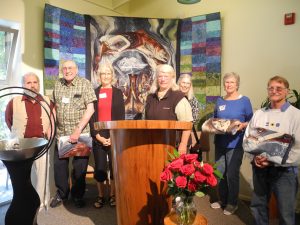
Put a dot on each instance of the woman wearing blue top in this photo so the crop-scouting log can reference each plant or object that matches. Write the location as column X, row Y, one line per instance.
column 228, row 147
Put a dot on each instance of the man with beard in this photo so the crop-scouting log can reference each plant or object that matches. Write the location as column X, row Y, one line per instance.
column 26, row 118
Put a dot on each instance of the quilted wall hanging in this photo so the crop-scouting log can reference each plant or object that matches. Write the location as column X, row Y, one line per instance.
column 64, row 39
column 135, row 46
column 200, row 56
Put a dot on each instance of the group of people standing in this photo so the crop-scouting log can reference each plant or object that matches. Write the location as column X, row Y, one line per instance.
column 281, row 180
column 77, row 106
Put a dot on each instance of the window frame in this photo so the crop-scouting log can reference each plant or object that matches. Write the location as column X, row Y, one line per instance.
column 12, row 54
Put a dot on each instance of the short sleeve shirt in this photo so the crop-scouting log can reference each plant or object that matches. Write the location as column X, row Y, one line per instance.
column 71, row 103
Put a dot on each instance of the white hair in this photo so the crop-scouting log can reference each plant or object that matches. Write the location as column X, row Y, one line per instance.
column 169, row 69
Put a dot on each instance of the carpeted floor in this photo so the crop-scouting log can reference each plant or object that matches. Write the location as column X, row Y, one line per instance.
column 67, row 214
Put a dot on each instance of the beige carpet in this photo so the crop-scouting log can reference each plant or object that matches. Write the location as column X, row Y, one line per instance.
column 67, row 214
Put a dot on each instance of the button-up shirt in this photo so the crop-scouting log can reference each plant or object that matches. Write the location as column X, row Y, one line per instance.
column 71, row 103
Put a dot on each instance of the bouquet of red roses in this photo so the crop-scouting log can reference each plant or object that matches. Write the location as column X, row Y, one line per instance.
column 186, row 176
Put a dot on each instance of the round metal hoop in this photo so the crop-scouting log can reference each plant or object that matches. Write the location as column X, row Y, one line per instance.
column 32, row 95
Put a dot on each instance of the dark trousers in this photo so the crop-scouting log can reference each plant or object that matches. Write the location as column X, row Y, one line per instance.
column 101, row 153
column 229, row 162
column 61, row 175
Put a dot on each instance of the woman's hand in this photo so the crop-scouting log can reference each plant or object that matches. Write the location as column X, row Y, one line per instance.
column 182, row 148
column 102, row 140
column 242, row 126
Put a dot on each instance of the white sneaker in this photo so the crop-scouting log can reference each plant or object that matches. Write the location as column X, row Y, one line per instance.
column 215, row 205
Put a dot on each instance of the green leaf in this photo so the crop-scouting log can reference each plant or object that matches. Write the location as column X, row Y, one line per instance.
column 170, row 184
column 176, row 153
column 199, row 194
column 218, row 174
column 173, row 155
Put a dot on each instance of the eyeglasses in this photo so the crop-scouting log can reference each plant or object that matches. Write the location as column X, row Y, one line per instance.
column 103, row 74
column 68, row 67
column 185, row 83
column 277, row 89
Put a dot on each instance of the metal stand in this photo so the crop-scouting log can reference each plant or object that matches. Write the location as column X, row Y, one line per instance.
column 18, row 157
column 25, row 203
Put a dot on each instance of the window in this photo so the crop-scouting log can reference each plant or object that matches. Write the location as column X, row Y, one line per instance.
column 8, row 40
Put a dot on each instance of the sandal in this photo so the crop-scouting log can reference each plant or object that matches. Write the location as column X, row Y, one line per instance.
column 99, row 203
column 112, row 201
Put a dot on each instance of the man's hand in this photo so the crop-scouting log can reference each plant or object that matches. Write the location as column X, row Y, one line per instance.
column 261, row 161
column 74, row 136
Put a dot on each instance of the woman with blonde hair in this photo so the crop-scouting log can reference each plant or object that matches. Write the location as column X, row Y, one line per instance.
column 167, row 102
column 109, row 106
column 186, row 86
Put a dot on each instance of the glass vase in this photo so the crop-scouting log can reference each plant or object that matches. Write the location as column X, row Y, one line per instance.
column 186, row 211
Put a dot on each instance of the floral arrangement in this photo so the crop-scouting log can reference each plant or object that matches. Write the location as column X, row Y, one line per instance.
column 186, row 177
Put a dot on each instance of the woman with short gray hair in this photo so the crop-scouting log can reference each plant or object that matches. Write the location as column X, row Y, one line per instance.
column 228, row 147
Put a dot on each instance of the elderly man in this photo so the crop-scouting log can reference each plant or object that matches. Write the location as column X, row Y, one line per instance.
column 73, row 97
column 268, row 177
column 26, row 118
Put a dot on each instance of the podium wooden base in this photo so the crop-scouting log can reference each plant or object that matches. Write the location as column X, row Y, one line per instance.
column 171, row 219
column 139, row 153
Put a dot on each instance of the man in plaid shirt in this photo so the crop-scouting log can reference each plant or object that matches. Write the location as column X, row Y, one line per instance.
column 73, row 97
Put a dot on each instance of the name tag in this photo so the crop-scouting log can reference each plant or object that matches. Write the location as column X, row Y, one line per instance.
column 65, row 100
column 102, row 95
column 222, row 107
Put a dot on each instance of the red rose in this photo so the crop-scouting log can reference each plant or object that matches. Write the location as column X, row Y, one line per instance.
column 176, row 164
column 197, row 164
column 199, row 177
column 166, row 175
column 207, row 169
column 181, row 181
column 192, row 186
column 187, row 170
column 190, row 157
column 211, row 180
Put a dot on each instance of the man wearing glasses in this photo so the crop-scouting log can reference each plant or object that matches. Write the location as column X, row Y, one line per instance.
column 73, row 97
column 269, row 177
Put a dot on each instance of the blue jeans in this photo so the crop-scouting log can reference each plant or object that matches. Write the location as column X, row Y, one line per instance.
column 283, row 182
column 229, row 161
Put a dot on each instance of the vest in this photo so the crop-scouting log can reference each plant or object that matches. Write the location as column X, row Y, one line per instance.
column 20, row 116
column 163, row 109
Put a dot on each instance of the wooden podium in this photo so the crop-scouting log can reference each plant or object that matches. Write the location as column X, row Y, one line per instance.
column 139, row 152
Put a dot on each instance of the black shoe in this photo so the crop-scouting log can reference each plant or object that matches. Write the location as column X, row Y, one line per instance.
column 79, row 202
column 56, row 201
